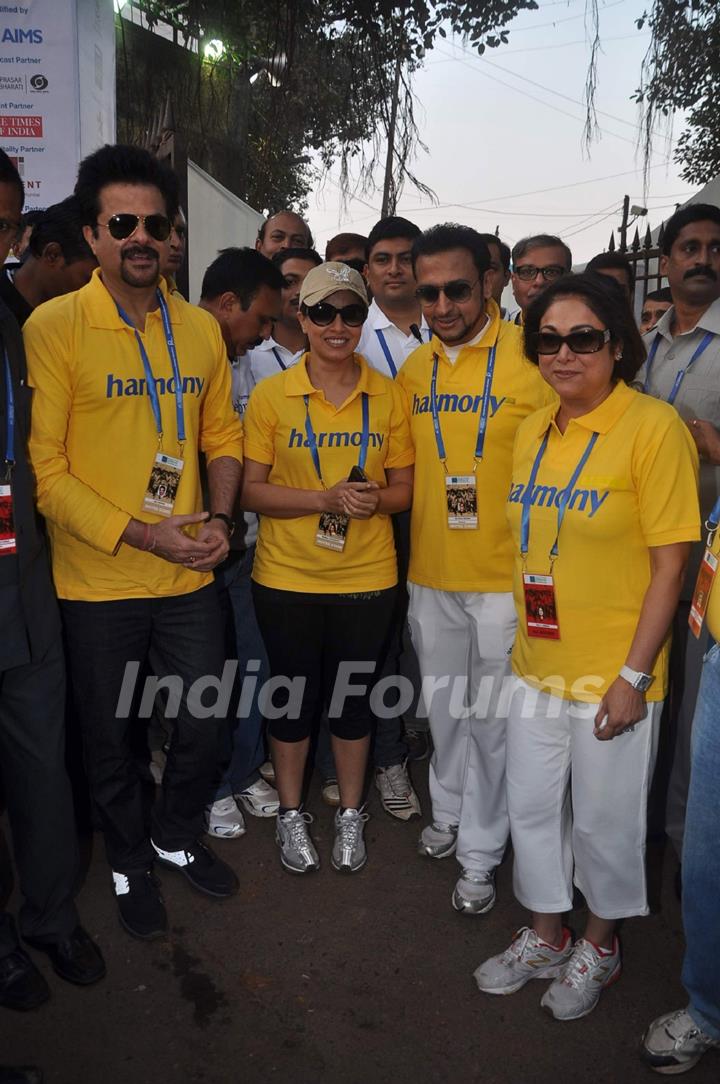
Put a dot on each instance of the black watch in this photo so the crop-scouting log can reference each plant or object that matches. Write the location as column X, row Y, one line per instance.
column 229, row 523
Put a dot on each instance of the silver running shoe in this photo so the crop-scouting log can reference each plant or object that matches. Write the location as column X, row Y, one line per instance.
column 397, row 794
column 348, row 853
column 438, row 840
column 474, row 893
column 526, row 958
column 223, row 819
column 586, row 974
column 674, row 1043
column 297, row 852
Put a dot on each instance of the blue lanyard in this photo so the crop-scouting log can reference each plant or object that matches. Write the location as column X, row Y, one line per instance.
column 386, row 351
column 484, row 409
column 278, row 359
column 312, row 441
column 682, row 373
column 713, row 519
column 150, row 379
column 562, row 503
column 10, row 414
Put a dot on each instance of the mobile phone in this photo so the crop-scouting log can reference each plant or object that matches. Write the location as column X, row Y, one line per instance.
column 357, row 474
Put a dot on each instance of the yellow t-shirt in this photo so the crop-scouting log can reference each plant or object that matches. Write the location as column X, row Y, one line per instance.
column 287, row 557
column 476, row 559
column 638, row 489
column 93, row 438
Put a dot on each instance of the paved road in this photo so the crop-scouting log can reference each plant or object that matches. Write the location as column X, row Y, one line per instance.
column 350, row 980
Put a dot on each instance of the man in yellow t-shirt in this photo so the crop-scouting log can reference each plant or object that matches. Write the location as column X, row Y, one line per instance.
column 130, row 384
column 468, row 390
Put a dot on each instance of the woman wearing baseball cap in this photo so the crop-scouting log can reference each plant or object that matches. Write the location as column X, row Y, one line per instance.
column 325, row 572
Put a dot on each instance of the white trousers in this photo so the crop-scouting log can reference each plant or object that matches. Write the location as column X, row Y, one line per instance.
column 577, row 805
column 463, row 642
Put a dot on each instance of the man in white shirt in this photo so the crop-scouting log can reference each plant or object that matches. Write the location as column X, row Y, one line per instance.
column 287, row 342
column 395, row 325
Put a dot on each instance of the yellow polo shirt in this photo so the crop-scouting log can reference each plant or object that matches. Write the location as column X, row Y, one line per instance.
column 638, row 489
column 287, row 557
column 93, row 438
column 479, row 559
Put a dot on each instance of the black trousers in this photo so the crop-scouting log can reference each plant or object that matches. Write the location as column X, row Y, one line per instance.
column 180, row 636
column 309, row 637
column 39, row 801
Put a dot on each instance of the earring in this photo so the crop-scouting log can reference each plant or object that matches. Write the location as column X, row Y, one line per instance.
column 618, row 356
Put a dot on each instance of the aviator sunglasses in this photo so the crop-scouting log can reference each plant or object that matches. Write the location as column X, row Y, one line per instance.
column 323, row 314
column 122, row 226
column 585, row 341
column 457, row 290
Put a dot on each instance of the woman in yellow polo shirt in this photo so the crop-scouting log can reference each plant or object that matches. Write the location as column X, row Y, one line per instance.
column 603, row 507
column 325, row 572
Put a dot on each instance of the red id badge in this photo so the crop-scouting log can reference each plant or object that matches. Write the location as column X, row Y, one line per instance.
column 701, row 594
column 7, row 522
column 540, row 607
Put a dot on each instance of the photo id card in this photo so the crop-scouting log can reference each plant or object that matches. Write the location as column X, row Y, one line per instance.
column 701, row 594
column 540, row 607
column 461, row 497
column 7, row 522
column 332, row 531
column 163, row 485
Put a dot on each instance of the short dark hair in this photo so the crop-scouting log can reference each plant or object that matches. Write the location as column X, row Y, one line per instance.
column 240, row 271
column 541, row 240
column 493, row 239
column 62, row 224
column 9, row 175
column 613, row 261
column 308, row 254
column 286, row 211
column 694, row 212
column 341, row 242
column 609, row 305
column 120, row 164
column 660, row 295
column 391, row 228
column 450, row 235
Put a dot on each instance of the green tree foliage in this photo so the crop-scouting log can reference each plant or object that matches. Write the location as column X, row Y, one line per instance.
column 325, row 74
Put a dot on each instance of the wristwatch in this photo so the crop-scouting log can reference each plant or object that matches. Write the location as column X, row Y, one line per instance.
column 637, row 678
column 229, row 523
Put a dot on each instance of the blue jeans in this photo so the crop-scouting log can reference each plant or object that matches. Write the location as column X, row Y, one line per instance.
column 701, row 856
column 244, row 642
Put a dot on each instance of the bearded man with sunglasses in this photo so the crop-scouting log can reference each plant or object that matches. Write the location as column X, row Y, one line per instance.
column 468, row 390
column 131, row 383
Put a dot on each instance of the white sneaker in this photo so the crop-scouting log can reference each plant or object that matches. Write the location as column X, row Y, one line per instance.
column 674, row 1043
column 224, row 820
column 438, row 840
column 267, row 771
column 259, row 799
column 330, row 792
column 474, row 893
column 586, row 974
column 396, row 792
column 527, row 958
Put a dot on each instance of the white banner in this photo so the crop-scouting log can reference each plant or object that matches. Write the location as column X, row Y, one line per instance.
column 40, row 90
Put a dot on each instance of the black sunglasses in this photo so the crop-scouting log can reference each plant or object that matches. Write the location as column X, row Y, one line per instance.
column 586, row 341
column 323, row 314
column 122, row 226
column 457, row 290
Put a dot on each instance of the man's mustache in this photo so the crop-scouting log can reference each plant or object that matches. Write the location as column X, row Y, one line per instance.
column 139, row 250
column 706, row 272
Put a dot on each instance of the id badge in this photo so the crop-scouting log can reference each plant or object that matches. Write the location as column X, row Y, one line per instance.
column 7, row 521
column 701, row 594
column 332, row 531
column 163, row 485
column 540, row 607
column 461, row 498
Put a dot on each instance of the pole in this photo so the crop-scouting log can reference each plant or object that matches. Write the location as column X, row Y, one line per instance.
column 624, row 225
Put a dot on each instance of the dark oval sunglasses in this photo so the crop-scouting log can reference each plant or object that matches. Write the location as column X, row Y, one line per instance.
column 323, row 314
column 587, row 341
column 457, row 290
column 122, row 226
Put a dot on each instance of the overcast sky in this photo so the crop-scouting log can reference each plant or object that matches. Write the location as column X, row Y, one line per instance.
column 504, row 133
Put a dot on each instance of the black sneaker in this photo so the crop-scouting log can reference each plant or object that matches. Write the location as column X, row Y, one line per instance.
column 22, row 987
column 203, row 869
column 140, row 905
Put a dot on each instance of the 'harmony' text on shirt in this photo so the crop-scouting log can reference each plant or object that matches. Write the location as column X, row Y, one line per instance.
column 297, row 439
column 590, row 500
column 116, row 385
